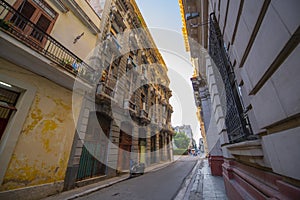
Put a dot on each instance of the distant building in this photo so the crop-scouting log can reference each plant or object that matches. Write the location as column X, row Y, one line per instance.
column 187, row 130
column 201, row 145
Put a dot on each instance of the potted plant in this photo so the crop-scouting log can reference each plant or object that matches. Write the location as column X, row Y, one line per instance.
column 4, row 24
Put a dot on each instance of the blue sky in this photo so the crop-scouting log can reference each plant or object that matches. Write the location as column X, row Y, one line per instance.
column 164, row 22
column 161, row 13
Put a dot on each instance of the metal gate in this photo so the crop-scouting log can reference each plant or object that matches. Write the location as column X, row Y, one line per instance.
column 89, row 165
column 237, row 123
column 95, row 148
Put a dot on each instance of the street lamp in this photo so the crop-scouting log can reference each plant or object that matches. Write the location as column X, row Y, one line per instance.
column 193, row 16
column 199, row 24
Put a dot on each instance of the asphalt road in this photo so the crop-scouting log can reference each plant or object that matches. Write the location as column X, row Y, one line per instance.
column 162, row 184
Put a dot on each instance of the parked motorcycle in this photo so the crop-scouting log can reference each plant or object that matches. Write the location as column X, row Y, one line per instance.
column 136, row 168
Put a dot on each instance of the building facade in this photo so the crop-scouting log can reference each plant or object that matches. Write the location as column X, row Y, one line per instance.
column 49, row 142
column 253, row 48
column 187, row 130
column 195, row 15
column 132, row 100
column 38, row 49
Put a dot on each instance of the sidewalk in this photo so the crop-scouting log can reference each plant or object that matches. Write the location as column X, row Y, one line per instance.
column 85, row 190
column 200, row 184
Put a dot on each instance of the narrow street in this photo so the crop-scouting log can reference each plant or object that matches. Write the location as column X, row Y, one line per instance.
column 161, row 184
column 200, row 96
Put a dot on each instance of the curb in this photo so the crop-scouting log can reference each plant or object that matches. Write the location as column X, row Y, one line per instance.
column 186, row 183
column 97, row 188
column 86, row 192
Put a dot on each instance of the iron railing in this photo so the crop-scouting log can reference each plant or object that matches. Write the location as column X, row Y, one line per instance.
column 236, row 121
column 15, row 24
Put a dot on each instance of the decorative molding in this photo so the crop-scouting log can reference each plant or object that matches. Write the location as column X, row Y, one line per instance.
column 75, row 8
column 60, row 5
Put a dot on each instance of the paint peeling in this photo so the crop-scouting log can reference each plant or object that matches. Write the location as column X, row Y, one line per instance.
column 49, row 125
column 42, row 152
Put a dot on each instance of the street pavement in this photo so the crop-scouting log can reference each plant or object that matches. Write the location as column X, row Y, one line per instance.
column 201, row 185
column 189, row 178
column 161, row 184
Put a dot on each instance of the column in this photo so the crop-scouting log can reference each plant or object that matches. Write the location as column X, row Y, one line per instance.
column 158, row 158
column 113, row 149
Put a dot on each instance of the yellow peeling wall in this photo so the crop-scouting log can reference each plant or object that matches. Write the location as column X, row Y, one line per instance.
column 43, row 148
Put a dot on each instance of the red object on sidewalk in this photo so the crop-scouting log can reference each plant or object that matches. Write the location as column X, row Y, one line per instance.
column 215, row 163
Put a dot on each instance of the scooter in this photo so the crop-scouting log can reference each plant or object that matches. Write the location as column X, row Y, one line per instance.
column 136, row 168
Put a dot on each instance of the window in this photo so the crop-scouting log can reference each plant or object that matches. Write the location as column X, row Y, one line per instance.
column 39, row 13
column 143, row 102
column 8, row 100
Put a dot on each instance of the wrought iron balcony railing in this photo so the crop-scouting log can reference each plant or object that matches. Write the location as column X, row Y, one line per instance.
column 237, row 123
column 14, row 24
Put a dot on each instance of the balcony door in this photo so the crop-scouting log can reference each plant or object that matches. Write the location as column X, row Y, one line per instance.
column 39, row 13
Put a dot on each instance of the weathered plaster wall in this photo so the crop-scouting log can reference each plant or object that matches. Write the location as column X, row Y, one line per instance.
column 42, row 151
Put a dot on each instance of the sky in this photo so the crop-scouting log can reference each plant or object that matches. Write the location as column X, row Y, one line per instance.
column 164, row 22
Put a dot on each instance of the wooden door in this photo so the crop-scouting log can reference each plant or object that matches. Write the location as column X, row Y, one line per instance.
column 125, row 142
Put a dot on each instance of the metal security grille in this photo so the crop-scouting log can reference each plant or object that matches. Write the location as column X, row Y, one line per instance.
column 235, row 120
column 95, row 147
column 89, row 165
column 8, row 100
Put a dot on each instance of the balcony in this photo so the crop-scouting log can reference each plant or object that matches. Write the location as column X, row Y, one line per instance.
column 132, row 66
column 129, row 105
column 164, row 101
column 144, row 79
column 35, row 40
column 168, row 128
column 104, row 93
column 133, row 43
column 144, row 117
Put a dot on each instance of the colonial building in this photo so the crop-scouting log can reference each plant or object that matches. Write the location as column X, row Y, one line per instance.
column 253, row 48
column 42, row 45
column 76, row 103
column 131, row 102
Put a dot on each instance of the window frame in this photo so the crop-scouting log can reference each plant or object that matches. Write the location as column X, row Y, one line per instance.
column 38, row 12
